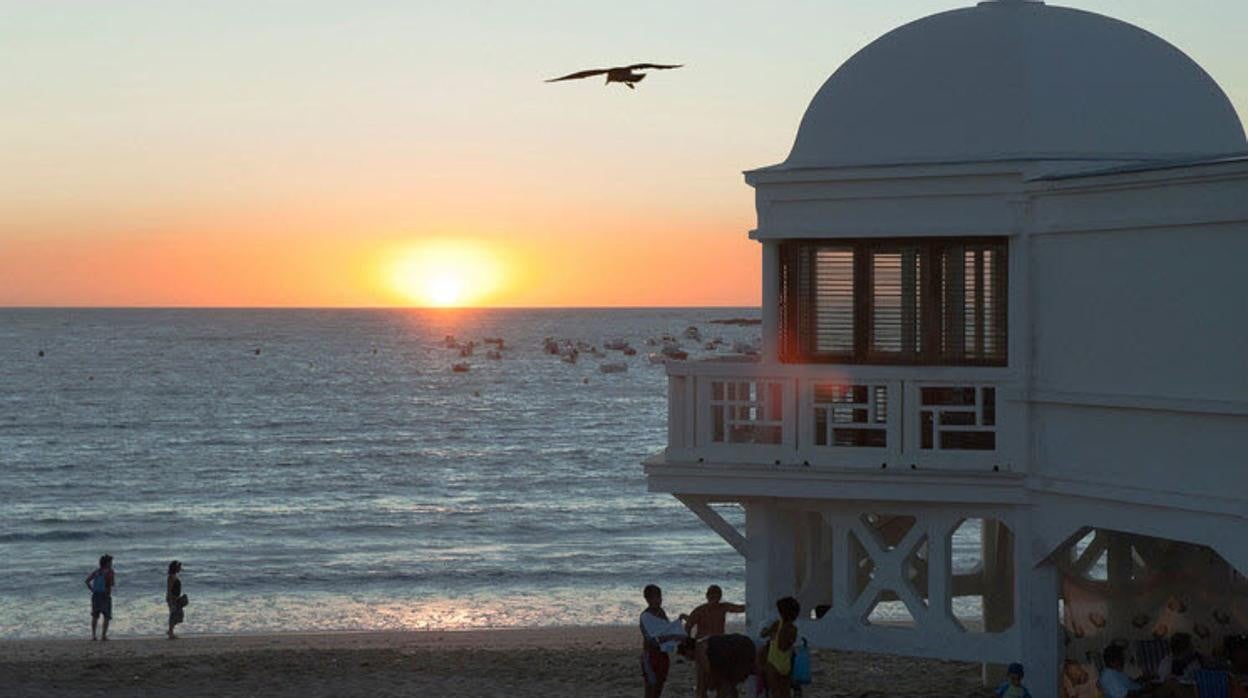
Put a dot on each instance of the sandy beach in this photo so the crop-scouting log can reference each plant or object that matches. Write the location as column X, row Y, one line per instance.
column 578, row 661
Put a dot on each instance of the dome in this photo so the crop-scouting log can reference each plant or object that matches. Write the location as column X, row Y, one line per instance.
column 1010, row 80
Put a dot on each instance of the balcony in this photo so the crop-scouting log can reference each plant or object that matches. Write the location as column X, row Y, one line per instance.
column 840, row 416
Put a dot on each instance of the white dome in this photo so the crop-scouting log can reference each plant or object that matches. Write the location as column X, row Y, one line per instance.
column 1015, row 80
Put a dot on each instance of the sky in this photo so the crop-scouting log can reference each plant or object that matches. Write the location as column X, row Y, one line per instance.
column 363, row 154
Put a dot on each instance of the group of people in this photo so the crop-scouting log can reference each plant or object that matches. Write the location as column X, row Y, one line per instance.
column 101, row 582
column 1176, row 673
column 722, row 660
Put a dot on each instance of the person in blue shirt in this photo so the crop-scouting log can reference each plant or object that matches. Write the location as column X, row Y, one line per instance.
column 1113, row 682
column 101, row 583
column 1013, row 686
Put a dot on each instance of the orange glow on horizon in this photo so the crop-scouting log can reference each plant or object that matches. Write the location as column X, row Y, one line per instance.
column 447, row 274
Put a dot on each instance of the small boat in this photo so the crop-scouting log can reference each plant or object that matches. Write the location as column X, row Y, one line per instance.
column 693, row 333
column 675, row 354
column 629, row 351
column 616, row 344
column 494, row 354
column 609, row 367
column 461, row 367
column 656, row 358
column 497, row 341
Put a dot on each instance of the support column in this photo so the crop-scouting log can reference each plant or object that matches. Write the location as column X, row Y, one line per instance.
column 770, row 565
column 1039, row 627
column 1118, row 578
column 771, row 302
column 997, row 579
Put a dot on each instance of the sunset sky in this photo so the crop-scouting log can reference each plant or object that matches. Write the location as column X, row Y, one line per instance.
column 171, row 153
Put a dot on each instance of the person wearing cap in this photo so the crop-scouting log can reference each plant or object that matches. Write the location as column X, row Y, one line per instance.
column 173, row 597
column 1013, row 686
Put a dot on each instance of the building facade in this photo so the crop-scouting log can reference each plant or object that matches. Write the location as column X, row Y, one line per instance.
column 1001, row 412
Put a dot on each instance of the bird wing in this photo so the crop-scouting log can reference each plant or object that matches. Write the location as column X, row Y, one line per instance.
column 653, row 66
column 582, row 74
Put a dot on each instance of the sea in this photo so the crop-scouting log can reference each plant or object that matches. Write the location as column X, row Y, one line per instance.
column 319, row 470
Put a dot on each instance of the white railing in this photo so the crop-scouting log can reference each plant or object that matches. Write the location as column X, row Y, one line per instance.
column 842, row 416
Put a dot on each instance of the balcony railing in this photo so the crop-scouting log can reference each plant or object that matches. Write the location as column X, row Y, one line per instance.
column 841, row 416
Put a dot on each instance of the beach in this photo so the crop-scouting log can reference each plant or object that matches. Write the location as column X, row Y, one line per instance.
column 552, row 661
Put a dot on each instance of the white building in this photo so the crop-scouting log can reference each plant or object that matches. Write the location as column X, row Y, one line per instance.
column 1003, row 291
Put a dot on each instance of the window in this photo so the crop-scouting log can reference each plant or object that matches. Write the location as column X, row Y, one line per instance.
column 929, row 301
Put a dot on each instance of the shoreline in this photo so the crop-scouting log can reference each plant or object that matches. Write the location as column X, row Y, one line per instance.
column 522, row 661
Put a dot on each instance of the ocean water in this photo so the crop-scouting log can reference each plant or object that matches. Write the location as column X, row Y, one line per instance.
column 326, row 470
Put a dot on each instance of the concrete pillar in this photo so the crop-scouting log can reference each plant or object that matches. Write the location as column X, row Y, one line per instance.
column 998, row 584
column 1039, row 625
column 771, row 563
column 998, row 574
column 1118, row 578
column 771, row 302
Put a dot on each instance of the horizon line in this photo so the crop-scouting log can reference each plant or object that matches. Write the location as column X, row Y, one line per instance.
column 377, row 307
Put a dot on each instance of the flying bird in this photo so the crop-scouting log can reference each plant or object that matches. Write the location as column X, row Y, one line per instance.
column 625, row 74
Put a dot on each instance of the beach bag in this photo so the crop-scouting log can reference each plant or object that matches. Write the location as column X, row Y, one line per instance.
column 800, row 676
column 183, row 601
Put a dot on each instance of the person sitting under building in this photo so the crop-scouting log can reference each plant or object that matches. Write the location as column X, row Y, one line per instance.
column 1237, row 657
column 1113, row 682
column 1182, row 662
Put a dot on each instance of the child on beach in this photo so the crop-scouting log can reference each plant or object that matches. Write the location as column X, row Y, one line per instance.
column 101, row 582
column 709, row 618
column 1013, row 686
column 658, row 637
column 777, row 659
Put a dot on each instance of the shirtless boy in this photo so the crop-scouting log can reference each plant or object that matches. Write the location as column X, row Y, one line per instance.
column 708, row 619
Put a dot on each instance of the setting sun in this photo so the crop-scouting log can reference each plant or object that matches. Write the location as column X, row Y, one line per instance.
column 446, row 274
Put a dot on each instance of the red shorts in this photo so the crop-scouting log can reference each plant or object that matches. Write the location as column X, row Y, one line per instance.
column 654, row 666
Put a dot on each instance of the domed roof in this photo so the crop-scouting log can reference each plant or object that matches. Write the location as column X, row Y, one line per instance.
column 1014, row 79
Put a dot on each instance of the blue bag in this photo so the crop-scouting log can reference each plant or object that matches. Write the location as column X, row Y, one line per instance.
column 800, row 676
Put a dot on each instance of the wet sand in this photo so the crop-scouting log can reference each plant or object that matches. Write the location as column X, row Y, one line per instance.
column 578, row 661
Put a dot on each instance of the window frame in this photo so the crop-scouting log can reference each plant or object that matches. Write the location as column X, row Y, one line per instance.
column 797, row 296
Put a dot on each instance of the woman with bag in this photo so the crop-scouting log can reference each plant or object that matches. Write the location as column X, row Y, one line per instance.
column 174, row 597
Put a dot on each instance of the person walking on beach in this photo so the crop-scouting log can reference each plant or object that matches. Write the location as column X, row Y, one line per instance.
column 101, row 583
column 709, row 618
column 658, row 637
column 174, row 598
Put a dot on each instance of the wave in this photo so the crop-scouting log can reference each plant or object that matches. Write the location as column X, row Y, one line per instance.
column 45, row 536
